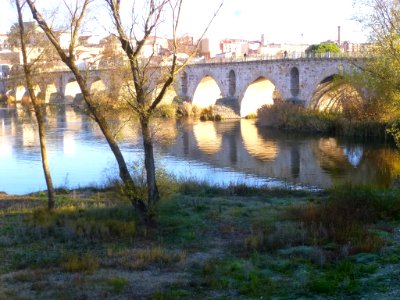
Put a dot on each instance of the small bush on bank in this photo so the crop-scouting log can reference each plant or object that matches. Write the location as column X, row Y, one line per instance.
column 102, row 224
column 85, row 263
column 166, row 111
column 185, row 109
column 289, row 116
column 345, row 217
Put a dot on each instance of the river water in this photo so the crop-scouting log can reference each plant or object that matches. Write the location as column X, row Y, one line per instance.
column 217, row 152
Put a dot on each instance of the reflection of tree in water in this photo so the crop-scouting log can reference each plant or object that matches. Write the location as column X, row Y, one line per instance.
column 358, row 165
column 331, row 157
column 164, row 131
column 382, row 167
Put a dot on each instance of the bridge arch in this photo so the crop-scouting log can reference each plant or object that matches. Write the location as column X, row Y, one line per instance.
column 207, row 92
column 97, row 85
column 20, row 92
column 322, row 75
column 51, row 94
column 334, row 94
column 72, row 90
column 259, row 92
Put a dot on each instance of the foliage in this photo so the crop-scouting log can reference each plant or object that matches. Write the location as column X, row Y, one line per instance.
column 394, row 131
column 323, row 48
column 343, row 218
column 86, row 263
column 165, row 111
column 289, row 116
column 292, row 117
column 118, row 284
column 381, row 72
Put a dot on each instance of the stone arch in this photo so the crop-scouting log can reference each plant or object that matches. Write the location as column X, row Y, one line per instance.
column 333, row 94
column 232, row 83
column 259, row 92
column 72, row 91
column 97, row 85
column 294, row 82
column 51, row 94
column 207, row 92
column 20, row 92
column 169, row 96
column 325, row 72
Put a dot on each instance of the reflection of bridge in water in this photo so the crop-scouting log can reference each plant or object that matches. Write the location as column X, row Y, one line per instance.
column 242, row 147
column 231, row 146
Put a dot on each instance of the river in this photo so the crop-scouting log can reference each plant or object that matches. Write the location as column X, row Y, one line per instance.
column 216, row 152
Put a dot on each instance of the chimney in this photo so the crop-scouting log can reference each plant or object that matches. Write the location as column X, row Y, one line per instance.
column 338, row 35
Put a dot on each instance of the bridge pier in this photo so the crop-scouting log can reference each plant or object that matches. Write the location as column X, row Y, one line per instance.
column 227, row 108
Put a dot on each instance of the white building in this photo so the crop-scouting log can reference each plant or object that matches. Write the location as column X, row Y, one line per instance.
column 209, row 47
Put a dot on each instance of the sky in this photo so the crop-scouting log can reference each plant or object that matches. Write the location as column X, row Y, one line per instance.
column 280, row 21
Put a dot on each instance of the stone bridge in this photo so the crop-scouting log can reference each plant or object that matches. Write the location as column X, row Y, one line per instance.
column 250, row 84
column 56, row 86
column 243, row 86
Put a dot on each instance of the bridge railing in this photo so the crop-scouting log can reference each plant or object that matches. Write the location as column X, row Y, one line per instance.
column 279, row 56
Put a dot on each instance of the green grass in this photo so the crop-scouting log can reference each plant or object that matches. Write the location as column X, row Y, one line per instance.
column 209, row 242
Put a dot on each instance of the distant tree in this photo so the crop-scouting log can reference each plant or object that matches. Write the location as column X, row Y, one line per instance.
column 323, row 48
column 381, row 72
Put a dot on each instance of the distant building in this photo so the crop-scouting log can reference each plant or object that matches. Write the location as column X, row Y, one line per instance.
column 349, row 47
column 154, row 46
column 279, row 50
column 185, row 44
column 4, row 42
column 236, row 47
column 209, row 48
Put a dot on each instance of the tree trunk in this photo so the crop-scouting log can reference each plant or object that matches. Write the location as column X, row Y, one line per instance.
column 43, row 150
column 38, row 110
column 69, row 60
column 153, row 195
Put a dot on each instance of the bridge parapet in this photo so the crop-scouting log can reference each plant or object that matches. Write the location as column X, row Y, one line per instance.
column 281, row 57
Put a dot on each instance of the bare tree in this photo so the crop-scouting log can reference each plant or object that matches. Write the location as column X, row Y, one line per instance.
column 150, row 81
column 28, row 71
column 77, row 15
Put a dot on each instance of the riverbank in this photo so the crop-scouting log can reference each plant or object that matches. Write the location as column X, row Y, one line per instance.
column 209, row 243
column 360, row 126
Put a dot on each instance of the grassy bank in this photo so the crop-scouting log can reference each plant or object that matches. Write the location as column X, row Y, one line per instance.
column 209, row 243
column 292, row 117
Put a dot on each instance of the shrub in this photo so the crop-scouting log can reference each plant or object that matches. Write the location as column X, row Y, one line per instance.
column 166, row 111
column 185, row 109
column 344, row 218
column 289, row 116
column 86, row 263
column 101, row 223
column 118, row 284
